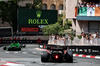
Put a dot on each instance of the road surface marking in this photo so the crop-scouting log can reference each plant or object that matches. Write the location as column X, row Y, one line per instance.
column 15, row 52
column 24, row 52
column 6, row 52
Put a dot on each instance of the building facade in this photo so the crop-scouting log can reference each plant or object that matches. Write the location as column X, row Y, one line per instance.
column 53, row 5
column 87, row 21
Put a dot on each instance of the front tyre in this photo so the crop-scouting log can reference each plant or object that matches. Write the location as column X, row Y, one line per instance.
column 19, row 49
column 24, row 46
column 44, row 56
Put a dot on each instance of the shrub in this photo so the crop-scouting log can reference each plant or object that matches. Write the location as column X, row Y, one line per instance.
column 79, row 36
column 67, row 27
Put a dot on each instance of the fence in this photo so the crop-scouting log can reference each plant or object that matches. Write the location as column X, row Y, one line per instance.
column 76, row 41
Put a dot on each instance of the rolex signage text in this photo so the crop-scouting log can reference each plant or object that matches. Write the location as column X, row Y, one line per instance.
column 36, row 17
column 37, row 21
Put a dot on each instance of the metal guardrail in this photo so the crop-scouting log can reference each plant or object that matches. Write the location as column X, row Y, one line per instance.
column 23, row 41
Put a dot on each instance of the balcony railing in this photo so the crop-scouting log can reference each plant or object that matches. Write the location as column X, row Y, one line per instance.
column 87, row 11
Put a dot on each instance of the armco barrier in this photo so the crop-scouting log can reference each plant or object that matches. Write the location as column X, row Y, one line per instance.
column 87, row 50
column 92, row 50
column 23, row 41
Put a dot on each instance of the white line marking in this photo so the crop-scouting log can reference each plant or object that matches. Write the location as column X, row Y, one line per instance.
column 6, row 52
column 24, row 52
column 15, row 52
column 33, row 52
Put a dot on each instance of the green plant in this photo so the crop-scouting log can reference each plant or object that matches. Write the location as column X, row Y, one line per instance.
column 79, row 36
column 73, row 34
column 53, row 29
column 72, row 38
column 69, row 23
column 66, row 27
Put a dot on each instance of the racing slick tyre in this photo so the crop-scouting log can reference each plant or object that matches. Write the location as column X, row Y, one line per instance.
column 4, row 48
column 69, row 56
column 24, row 45
column 19, row 49
column 44, row 56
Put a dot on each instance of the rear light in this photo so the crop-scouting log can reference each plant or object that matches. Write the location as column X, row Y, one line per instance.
column 51, row 47
column 44, row 46
column 56, row 56
column 65, row 51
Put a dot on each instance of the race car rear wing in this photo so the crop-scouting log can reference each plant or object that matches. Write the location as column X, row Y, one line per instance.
column 53, row 47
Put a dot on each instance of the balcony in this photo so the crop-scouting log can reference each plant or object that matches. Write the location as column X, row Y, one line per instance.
column 88, row 13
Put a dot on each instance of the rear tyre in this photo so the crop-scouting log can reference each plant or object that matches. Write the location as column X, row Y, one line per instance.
column 19, row 49
column 24, row 46
column 44, row 56
column 69, row 56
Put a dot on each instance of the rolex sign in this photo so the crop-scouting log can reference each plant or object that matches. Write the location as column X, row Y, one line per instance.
column 36, row 17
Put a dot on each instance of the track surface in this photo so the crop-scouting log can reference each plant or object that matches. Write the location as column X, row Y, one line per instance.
column 30, row 56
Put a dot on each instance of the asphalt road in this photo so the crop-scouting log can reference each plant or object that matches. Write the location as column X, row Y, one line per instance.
column 30, row 56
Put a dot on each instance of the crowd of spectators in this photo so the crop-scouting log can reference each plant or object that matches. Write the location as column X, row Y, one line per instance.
column 87, row 38
column 90, row 37
column 90, row 4
column 56, row 39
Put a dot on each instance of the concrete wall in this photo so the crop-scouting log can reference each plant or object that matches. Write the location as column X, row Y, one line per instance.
column 74, row 24
column 81, row 26
column 70, row 8
column 78, row 27
column 85, row 26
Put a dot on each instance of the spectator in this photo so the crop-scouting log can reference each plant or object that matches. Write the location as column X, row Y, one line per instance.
column 97, row 35
column 94, row 35
column 83, row 34
column 87, row 4
column 97, row 5
column 90, row 39
column 90, row 4
column 79, row 5
column 93, row 5
column 84, row 4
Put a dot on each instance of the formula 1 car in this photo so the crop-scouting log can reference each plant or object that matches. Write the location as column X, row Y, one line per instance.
column 58, row 54
column 14, row 46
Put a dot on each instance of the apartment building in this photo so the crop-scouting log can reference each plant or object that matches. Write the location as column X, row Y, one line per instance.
column 87, row 19
column 53, row 5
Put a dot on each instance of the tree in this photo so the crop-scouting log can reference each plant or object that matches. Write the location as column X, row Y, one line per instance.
column 60, row 20
column 8, row 11
column 53, row 29
column 37, row 4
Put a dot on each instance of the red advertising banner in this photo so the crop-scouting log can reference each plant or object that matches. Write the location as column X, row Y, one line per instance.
column 75, row 12
column 31, row 29
column 97, row 11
